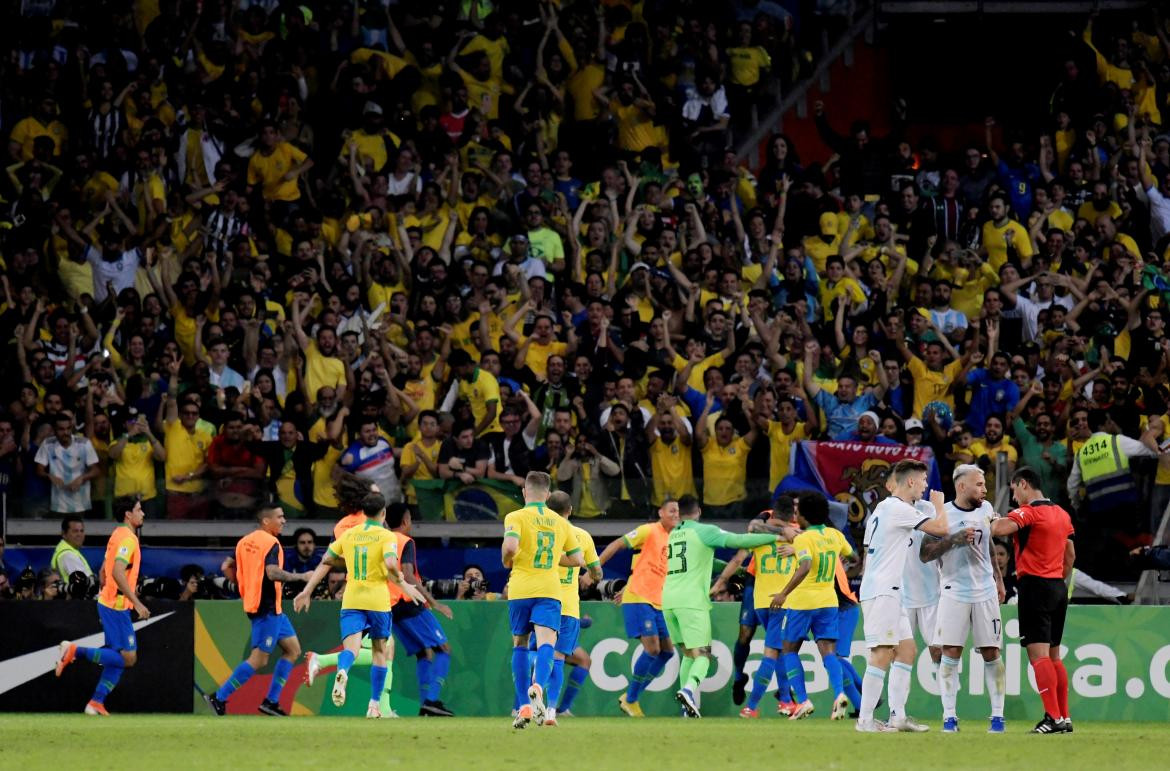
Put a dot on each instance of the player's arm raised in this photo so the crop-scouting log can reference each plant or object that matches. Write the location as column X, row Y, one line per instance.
column 611, row 550
column 303, row 598
column 786, row 532
column 937, row 526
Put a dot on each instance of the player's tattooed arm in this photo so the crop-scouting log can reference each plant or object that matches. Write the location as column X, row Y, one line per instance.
column 276, row 573
column 934, row 547
column 788, row 532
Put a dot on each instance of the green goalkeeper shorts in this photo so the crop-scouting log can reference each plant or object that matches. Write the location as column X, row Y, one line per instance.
column 689, row 626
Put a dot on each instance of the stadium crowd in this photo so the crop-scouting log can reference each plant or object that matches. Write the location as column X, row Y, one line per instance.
column 443, row 244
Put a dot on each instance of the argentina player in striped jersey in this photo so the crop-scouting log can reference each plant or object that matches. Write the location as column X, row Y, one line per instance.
column 921, row 582
column 972, row 590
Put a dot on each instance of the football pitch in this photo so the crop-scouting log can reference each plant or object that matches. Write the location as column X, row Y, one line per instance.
column 183, row 741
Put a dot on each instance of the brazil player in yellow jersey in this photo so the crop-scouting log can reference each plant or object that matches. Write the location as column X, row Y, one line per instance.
column 570, row 631
column 774, row 565
column 811, row 602
column 370, row 554
column 537, row 542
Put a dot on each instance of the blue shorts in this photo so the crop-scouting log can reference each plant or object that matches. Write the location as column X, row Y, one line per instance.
column 417, row 633
column 269, row 629
column 568, row 636
column 822, row 622
column 644, row 620
column 747, row 607
column 118, row 627
column 534, row 611
column 773, row 623
column 847, row 618
column 375, row 623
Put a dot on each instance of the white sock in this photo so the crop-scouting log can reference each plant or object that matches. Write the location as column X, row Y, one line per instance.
column 899, row 688
column 872, row 684
column 995, row 675
column 948, row 684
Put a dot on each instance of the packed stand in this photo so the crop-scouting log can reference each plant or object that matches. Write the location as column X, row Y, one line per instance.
column 442, row 245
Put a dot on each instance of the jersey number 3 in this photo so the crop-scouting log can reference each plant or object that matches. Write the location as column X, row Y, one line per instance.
column 680, row 554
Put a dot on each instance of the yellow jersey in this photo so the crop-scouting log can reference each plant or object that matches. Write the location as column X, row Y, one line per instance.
column 995, row 242
column 269, row 172
column 322, row 370
column 725, row 472
column 365, row 549
column 781, row 447
column 483, row 389
column 186, row 452
column 570, row 598
column 772, row 573
column 323, row 492
column 134, row 470
column 932, row 386
column 543, row 536
column 822, row 546
column 671, row 469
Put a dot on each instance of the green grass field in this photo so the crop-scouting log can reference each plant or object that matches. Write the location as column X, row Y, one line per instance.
column 178, row 741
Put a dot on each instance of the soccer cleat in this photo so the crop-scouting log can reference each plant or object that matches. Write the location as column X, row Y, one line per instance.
column 217, row 706
column 873, row 727
column 339, row 688
column 803, row 710
column 434, row 709
column 536, row 696
column 951, row 725
column 687, row 700
column 523, row 717
column 68, row 653
column 312, row 667
column 1047, row 726
column 840, row 708
column 1065, row 725
column 96, row 708
column 566, row 713
column 996, row 726
column 748, row 712
column 271, row 708
column 739, row 690
column 550, row 718
column 785, row 708
column 391, row 713
column 631, row 708
column 372, row 711
column 907, row 724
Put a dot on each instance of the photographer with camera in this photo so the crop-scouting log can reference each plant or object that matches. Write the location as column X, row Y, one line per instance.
column 67, row 557
column 474, row 585
column 50, row 587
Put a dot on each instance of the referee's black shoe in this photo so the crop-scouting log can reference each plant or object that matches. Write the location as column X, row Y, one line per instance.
column 1047, row 726
column 271, row 708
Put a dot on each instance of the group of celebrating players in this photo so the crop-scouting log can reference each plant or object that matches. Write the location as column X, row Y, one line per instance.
column 912, row 549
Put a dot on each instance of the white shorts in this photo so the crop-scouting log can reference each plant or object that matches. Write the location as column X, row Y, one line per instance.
column 922, row 622
column 884, row 621
column 956, row 619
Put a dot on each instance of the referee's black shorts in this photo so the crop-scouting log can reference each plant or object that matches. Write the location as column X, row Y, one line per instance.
column 1043, row 603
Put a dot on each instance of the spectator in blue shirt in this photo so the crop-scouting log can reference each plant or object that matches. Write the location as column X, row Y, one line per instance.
column 304, row 557
column 991, row 392
column 867, row 430
column 843, row 408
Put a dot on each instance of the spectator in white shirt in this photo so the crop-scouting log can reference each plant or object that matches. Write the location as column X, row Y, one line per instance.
column 949, row 321
column 69, row 462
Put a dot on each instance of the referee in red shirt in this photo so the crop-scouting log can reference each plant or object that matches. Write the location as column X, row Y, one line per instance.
column 1044, row 562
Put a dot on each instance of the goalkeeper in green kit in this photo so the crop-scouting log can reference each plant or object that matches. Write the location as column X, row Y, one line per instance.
column 686, row 601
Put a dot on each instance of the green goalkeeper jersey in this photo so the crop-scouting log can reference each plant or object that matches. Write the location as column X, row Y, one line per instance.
column 690, row 556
